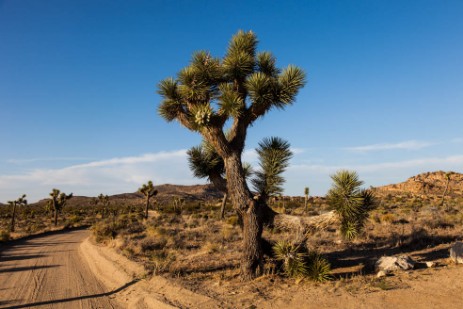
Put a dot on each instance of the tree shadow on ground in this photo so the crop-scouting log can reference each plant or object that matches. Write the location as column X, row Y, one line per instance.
column 360, row 259
column 14, row 269
column 6, row 258
column 70, row 299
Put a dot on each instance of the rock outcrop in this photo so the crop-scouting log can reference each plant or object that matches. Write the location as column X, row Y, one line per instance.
column 390, row 264
column 456, row 252
column 430, row 183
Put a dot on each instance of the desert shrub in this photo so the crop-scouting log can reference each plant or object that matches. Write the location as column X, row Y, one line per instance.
column 438, row 223
column 122, row 225
column 4, row 235
column 229, row 234
column 233, row 220
column 73, row 220
column 34, row 227
column 153, row 243
column 299, row 263
column 160, row 261
column 192, row 207
column 211, row 247
column 387, row 218
column 104, row 231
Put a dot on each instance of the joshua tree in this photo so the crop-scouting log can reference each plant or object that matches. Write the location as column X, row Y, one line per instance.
column 103, row 200
column 447, row 177
column 148, row 191
column 211, row 93
column 57, row 201
column 306, row 199
column 350, row 202
column 18, row 202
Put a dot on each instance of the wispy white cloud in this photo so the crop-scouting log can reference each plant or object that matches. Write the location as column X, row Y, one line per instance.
column 429, row 163
column 126, row 174
column 34, row 160
column 116, row 175
column 407, row 145
column 317, row 175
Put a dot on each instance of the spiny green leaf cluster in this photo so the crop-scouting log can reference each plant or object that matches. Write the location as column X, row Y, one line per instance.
column 148, row 189
column 205, row 162
column 58, row 199
column 21, row 201
column 352, row 203
column 299, row 262
column 274, row 155
column 243, row 84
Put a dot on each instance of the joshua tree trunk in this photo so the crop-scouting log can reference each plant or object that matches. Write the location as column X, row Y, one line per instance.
column 445, row 191
column 13, row 217
column 56, row 217
column 224, row 203
column 251, row 216
column 147, row 206
column 306, row 200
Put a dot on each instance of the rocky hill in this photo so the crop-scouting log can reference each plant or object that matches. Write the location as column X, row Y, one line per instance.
column 430, row 183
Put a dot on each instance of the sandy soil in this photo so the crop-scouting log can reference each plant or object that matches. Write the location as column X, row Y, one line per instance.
column 47, row 272
column 65, row 270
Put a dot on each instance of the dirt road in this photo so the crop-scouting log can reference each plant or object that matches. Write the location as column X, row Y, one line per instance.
column 48, row 272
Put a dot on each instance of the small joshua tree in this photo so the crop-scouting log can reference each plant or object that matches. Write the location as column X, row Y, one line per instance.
column 350, row 202
column 57, row 202
column 148, row 191
column 447, row 177
column 103, row 201
column 306, row 199
column 18, row 202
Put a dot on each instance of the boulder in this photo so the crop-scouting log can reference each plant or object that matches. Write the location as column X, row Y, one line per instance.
column 389, row 264
column 456, row 252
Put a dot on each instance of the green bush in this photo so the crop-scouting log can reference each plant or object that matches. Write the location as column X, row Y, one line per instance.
column 4, row 235
column 299, row 263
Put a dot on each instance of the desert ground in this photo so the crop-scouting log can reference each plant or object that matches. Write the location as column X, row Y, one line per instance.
column 106, row 255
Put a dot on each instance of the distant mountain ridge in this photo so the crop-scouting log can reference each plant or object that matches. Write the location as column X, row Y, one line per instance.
column 430, row 183
column 165, row 193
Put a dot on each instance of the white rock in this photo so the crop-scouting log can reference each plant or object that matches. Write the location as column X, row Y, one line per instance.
column 430, row 264
column 456, row 252
column 381, row 274
column 389, row 264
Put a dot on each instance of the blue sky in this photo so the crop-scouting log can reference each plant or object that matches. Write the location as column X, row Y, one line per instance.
column 78, row 80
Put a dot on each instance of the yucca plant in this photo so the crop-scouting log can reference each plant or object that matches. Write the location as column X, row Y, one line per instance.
column 350, row 202
column 274, row 154
column 293, row 258
column 319, row 269
column 299, row 262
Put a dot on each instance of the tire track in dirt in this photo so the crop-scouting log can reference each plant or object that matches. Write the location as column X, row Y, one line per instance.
column 48, row 272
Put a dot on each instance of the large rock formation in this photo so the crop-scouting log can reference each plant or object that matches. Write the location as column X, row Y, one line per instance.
column 430, row 183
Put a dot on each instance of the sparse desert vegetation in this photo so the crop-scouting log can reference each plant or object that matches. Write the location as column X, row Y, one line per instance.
column 185, row 240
